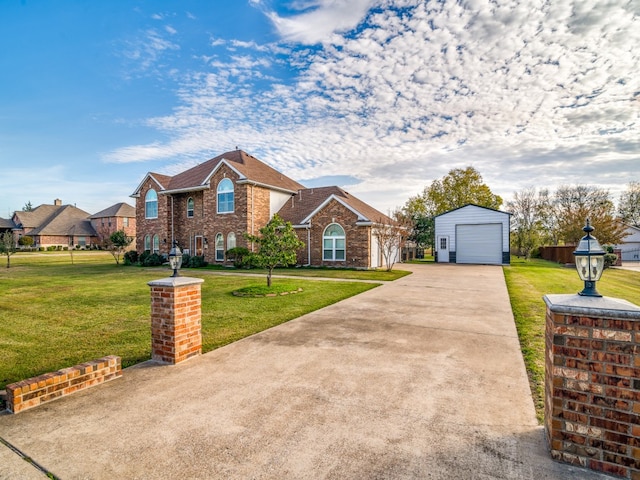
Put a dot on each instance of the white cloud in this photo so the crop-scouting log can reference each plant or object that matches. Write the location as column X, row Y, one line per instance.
column 321, row 19
column 526, row 94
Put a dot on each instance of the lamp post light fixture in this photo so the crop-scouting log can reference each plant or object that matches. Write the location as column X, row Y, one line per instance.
column 589, row 257
column 175, row 259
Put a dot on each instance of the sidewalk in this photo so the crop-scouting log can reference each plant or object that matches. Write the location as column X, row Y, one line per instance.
column 418, row 378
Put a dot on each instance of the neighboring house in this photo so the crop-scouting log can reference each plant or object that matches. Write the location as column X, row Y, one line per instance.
column 630, row 247
column 64, row 225
column 6, row 225
column 120, row 216
column 473, row 234
column 208, row 208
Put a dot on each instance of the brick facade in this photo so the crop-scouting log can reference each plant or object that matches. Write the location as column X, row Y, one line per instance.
column 592, row 383
column 357, row 238
column 153, row 226
column 251, row 212
column 259, row 192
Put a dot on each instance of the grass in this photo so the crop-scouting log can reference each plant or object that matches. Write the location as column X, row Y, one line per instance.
column 324, row 272
column 56, row 314
column 527, row 282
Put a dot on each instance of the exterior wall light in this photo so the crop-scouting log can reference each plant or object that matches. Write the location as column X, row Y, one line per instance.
column 589, row 257
column 175, row 259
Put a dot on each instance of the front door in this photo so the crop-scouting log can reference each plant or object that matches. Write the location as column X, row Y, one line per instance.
column 199, row 240
column 442, row 244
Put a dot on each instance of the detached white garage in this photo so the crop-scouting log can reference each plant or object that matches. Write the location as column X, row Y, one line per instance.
column 472, row 234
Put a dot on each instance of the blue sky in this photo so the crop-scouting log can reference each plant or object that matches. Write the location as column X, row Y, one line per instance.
column 380, row 97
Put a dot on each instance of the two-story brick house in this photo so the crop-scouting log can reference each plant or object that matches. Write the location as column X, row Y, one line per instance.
column 208, row 208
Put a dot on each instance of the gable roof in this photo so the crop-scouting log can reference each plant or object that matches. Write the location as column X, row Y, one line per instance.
column 248, row 168
column 300, row 209
column 473, row 205
column 6, row 223
column 118, row 210
column 63, row 220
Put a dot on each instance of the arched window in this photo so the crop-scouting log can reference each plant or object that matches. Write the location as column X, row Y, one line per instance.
column 156, row 244
column 231, row 240
column 190, row 207
column 151, row 204
column 225, row 196
column 147, row 243
column 219, row 247
column 333, row 243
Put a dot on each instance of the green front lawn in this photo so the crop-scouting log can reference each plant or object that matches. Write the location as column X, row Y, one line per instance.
column 55, row 314
column 527, row 282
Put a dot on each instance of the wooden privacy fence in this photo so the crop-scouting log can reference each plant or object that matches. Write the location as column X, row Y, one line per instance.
column 558, row 253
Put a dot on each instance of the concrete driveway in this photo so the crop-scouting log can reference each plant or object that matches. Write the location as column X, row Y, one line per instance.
column 418, row 378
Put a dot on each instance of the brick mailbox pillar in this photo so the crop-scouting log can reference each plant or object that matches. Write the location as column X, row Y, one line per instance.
column 175, row 319
column 592, row 383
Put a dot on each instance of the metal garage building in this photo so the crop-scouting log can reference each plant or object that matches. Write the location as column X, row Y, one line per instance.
column 472, row 234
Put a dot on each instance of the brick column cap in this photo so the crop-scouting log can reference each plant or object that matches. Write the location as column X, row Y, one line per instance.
column 175, row 282
column 592, row 306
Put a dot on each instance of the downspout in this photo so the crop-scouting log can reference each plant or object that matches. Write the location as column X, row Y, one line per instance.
column 309, row 245
column 172, row 236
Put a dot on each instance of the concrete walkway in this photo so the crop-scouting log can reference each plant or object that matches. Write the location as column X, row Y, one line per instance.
column 419, row 378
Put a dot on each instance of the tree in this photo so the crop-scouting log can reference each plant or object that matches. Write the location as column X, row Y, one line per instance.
column 456, row 189
column 629, row 206
column 7, row 246
column 529, row 221
column 572, row 205
column 117, row 244
column 277, row 245
column 391, row 238
column 27, row 207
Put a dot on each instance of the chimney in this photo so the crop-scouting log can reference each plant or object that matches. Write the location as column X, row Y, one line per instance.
column 57, row 202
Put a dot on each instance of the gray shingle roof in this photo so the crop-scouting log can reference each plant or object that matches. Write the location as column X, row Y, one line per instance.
column 63, row 220
column 118, row 210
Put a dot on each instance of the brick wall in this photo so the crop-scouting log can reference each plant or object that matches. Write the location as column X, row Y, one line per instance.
column 592, row 383
column 175, row 319
column 50, row 386
column 153, row 226
column 251, row 212
column 357, row 237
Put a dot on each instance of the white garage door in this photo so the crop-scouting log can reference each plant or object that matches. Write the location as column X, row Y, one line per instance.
column 479, row 243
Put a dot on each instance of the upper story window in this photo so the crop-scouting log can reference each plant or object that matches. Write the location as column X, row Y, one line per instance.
column 151, row 204
column 225, row 196
column 125, row 221
column 190, row 207
column 333, row 243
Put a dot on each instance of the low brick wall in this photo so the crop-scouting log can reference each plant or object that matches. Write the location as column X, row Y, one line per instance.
column 49, row 386
column 592, row 383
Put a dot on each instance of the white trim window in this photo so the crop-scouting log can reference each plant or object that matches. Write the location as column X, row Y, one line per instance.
column 231, row 240
column 225, row 196
column 190, row 207
column 219, row 247
column 333, row 243
column 147, row 243
column 156, row 244
column 151, row 204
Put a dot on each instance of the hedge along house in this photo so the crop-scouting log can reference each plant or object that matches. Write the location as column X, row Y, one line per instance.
column 208, row 208
column 473, row 234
